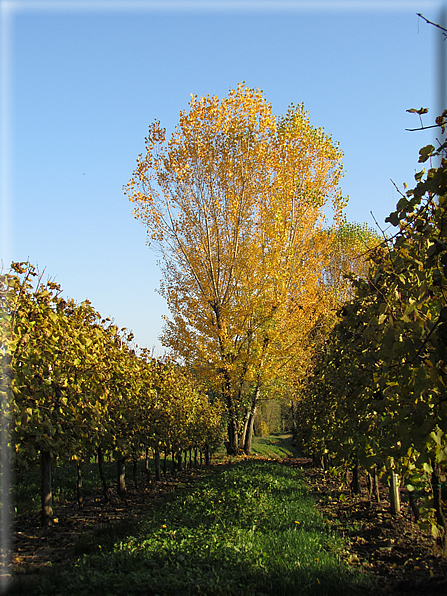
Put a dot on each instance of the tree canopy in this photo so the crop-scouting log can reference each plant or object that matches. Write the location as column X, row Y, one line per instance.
column 236, row 201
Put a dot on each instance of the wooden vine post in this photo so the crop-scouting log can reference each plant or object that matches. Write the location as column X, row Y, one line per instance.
column 437, row 501
column 157, row 464
column 394, row 494
column 47, row 509
column 121, row 476
column 79, row 483
column 105, row 486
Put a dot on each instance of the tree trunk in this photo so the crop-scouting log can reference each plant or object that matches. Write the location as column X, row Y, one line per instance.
column 347, row 476
column 195, row 458
column 317, row 460
column 207, row 456
column 135, row 471
column 157, row 464
column 356, row 488
column 369, row 484
column 146, row 465
column 437, row 498
column 47, row 510
column 233, row 443
column 79, row 483
column 294, row 414
column 121, row 476
column 105, row 488
column 376, row 484
column 414, row 507
column 180, row 461
column 243, row 436
column 249, row 431
column 165, row 463
column 394, row 494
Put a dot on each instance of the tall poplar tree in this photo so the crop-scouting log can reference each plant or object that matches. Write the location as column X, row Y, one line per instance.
column 236, row 201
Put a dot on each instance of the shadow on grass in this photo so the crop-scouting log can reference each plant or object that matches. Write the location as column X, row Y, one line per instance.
column 249, row 530
column 222, row 572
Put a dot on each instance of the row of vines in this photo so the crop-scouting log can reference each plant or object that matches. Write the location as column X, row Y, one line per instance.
column 73, row 386
column 378, row 395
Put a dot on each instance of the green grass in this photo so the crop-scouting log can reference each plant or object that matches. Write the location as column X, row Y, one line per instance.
column 249, row 529
column 275, row 446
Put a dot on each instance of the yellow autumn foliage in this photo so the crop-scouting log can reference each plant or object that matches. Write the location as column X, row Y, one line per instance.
column 236, row 201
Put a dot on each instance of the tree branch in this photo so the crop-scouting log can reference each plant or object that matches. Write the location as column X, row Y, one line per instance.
column 434, row 24
column 424, row 127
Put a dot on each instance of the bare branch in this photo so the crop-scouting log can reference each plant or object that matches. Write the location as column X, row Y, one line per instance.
column 434, row 24
column 398, row 190
column 424, row 127
column 377, row 224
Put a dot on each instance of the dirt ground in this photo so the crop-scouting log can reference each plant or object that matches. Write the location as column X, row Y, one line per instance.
column 401, row 558
column 35, row 547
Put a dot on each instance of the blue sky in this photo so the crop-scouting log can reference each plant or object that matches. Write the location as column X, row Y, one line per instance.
column 81, row 82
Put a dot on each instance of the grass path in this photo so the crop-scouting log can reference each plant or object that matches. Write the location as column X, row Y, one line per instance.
column 251, row 528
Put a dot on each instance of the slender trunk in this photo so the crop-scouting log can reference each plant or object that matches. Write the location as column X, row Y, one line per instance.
column 437, row 498
column 232, row 444
column 121, row 475
column 369, row 484
column 47, row 510
column 294, row 414
column 157, row 464
column 195, row 458
column 105, row 488
column 146, row 465
column 135, row 471
column 347, row 476
column 356, row 488
column 394, row 494
column 250, row 421
column 201, row 458
column 376, row 485
column 233, row 441
column 207, row 456
column 414, row 507
column 180, row 461
column 165, row 464
column 173, row 463
column 243, row 436
column 79, row 483
column 249, row 431
column 318, row 460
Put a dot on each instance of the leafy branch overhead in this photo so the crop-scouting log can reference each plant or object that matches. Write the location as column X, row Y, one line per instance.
column 440, row 121
column 378, row 392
